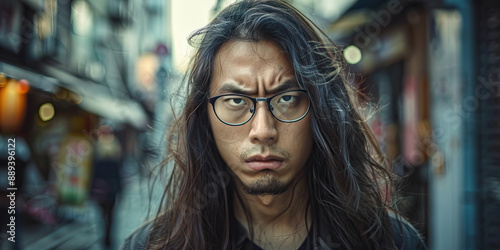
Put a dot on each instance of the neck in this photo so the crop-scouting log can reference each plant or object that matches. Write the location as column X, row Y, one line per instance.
column 275, row 216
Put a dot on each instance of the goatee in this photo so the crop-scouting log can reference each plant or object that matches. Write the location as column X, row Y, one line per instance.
column 265, row 185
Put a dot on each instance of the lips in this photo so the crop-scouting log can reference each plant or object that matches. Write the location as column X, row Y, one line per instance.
column 260, row 162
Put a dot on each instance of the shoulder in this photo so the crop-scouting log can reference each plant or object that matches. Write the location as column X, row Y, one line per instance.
column 405, row 235
column 138, row 239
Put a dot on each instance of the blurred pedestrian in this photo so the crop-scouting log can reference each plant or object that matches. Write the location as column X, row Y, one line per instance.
column 106, row 178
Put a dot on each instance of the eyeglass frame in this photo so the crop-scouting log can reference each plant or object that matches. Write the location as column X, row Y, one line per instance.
column 213, row 99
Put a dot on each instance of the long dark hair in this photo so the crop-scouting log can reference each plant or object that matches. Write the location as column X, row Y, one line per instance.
column 344, row 177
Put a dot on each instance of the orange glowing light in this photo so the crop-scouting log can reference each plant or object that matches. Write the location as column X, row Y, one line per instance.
column 3, row 80
column 23, row 86
column 12, row 107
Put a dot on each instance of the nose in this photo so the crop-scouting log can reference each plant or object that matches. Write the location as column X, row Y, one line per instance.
column 263, row 124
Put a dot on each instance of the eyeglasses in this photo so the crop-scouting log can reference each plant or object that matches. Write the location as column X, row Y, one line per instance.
column 236, row 109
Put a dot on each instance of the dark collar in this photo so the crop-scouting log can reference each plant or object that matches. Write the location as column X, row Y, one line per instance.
column 242, row 240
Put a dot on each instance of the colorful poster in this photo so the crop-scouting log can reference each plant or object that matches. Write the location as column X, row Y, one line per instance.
column 74, row 169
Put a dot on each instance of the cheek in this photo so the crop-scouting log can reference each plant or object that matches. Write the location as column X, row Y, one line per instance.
column 223, row 133
column 226, row 138
column 217, row 130
column 303, row 142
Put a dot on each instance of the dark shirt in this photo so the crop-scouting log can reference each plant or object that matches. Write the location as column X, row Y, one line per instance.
column 406, row 237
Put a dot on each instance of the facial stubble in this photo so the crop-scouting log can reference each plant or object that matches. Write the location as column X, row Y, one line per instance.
column 266, row 184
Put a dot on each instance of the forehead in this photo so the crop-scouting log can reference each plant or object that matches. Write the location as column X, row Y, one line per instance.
column 251, row 65
column 266, row 49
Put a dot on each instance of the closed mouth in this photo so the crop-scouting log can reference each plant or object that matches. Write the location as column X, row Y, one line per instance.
column 260, row 162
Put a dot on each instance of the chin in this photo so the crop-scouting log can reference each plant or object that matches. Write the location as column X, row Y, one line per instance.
column 265, row 185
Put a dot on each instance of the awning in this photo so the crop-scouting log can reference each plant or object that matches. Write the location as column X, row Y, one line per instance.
column 96, row 98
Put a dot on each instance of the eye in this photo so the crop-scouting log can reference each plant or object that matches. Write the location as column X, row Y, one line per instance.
column 287, row 99
column 236, row 101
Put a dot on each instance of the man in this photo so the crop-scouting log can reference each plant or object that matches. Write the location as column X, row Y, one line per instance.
column 270, row 151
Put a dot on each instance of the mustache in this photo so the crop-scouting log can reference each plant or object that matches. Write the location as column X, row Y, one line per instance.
column 271, row 150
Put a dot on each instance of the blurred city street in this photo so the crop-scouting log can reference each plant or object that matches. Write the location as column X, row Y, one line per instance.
column 88, row 89
column 86, row 230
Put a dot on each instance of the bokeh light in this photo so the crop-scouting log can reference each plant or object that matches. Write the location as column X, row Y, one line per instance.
column 46, row 111
column 23, row 86
column 352, row 54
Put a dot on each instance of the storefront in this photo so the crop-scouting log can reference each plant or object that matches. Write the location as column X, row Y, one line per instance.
column 64, row 106
column 417, row 60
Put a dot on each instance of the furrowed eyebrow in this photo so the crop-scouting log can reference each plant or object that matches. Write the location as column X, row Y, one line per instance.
column 233, row 89
column 236, row 89
column 287, row 85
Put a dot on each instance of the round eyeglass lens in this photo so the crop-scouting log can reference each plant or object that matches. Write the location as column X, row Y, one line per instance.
column 233, row 109
column 290, row 106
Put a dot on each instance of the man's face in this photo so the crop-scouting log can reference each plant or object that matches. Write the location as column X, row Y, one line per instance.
column 266, row 155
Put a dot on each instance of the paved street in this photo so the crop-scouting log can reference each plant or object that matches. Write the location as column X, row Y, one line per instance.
column 87, row 230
